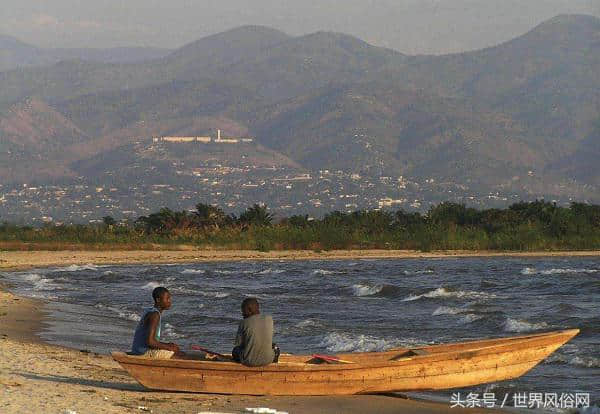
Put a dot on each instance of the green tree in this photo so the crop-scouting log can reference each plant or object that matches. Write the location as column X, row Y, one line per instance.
column 109, row 221
column 208, row 216
column 256, row 215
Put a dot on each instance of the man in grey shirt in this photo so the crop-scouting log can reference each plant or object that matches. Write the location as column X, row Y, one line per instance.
column 254, row 340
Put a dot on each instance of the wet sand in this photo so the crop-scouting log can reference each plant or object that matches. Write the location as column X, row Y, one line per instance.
column 12, row 260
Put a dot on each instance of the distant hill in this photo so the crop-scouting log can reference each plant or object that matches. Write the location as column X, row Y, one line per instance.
column 522, row 115
column 208, row 55
column 381, row 128
column 308, row 62
column 548, row 79
column 17, row 54
column 33, row 141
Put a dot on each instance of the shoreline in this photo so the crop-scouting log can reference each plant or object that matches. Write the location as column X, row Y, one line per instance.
column 26, row 259
column 36, row 376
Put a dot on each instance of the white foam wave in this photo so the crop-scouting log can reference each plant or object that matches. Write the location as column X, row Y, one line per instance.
column 45, row 284
column 269, row 271
column 516, row 325
column 130, row 316
column 170, row 332
column 556, row 271
column 587, row 362
column 39, row 283
column 365, row 290
column 308, row 323
column 46, row 296
column 578, row 360
column 218, row 295
column 193, row 272
column 470, row 317
column 108, row 273
column 189, row 291
column 325, row 272
column 183, row 290
column 445, row 293
column 342, row 342
column 151, row 285
column 77, row 268
column 419, row 272
column 120, row 312
column 447, row 310
column 31, row 277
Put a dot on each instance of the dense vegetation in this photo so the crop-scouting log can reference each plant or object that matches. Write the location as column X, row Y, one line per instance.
column 525, row 226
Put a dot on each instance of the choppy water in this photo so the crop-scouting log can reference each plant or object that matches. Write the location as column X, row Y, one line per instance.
column 341, row 305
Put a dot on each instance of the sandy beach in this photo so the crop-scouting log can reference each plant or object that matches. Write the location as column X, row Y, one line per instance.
column 13, row 260
column 39, row 378
column 36, row 377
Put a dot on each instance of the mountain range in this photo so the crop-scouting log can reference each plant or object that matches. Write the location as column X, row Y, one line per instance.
column 489, row 119
column 17, row 54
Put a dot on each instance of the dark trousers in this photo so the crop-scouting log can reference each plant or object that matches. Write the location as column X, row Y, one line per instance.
column 237, row 352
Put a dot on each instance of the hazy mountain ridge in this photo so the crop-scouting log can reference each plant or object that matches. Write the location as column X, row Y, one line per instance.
column 17, row 54
column 327, row 100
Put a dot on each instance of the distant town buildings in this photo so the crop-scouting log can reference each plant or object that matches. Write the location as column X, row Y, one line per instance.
column 205, row 140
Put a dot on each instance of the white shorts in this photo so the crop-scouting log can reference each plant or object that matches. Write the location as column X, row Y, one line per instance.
column 158, row 354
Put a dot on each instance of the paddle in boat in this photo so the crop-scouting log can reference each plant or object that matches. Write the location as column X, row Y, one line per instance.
column 435, row 367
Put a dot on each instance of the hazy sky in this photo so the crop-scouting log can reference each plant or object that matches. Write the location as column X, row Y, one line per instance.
column 410, row 26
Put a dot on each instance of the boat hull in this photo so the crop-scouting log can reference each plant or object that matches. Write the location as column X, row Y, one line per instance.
column 439, row 367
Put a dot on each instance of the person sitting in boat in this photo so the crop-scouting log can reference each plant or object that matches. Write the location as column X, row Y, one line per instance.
column 146, row 339
column 254, row 340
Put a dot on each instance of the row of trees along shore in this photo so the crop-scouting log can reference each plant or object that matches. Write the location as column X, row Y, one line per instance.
column 524, row 226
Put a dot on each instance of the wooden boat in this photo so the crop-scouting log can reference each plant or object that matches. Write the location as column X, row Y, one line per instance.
column 434, row 367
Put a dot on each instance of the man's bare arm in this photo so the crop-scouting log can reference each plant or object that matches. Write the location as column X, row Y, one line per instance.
column 152, row 321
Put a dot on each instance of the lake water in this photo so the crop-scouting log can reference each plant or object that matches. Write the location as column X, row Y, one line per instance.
column 340, row 306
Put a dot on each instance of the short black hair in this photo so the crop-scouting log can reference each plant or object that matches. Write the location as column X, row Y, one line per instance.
column 250, row 303
column 158, row 292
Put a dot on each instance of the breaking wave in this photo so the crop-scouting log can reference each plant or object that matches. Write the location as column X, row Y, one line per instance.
column 578, row 360
column 325, row 272
column 76, row 268
column 442, row 292
column 170, row 332
column 365, row 290
column 308, row 323
column 217, row 295
column 132, row 316
column 193, row 271
column 419, row 272
column 447, row 310
column 39, row 283
column 516, row 325
column 467, row 315
column 193, row 292
column 471, row 317
column 269, row 271
column 556, row 271
column 151, row 285
column 342, row 342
